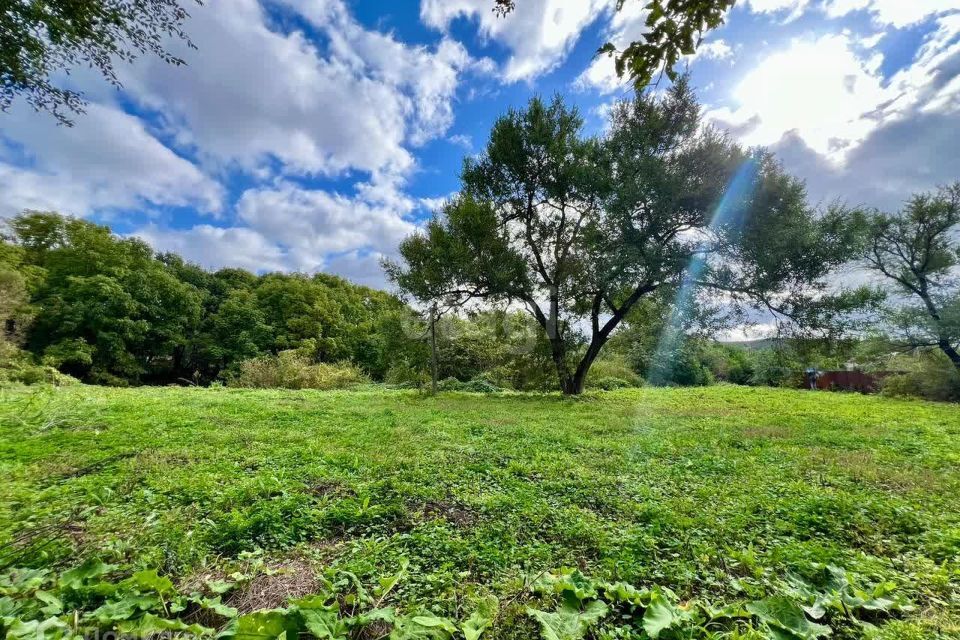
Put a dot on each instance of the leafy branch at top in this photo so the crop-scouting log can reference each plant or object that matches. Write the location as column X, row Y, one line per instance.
column 42, row 38
column 674, row 29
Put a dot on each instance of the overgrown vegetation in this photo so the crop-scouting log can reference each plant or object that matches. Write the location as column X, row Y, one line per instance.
column 720, row 512
column 294, row 370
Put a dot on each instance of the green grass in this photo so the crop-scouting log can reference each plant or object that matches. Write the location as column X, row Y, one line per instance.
column 718, row 494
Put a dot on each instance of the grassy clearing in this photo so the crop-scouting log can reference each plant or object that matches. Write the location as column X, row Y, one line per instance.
column 719, row 494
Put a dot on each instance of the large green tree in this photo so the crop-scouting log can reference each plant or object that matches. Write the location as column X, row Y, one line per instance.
column 917, row 252
column 42, row 39
column 674, row 29
column 106, row 309
column 579, row 229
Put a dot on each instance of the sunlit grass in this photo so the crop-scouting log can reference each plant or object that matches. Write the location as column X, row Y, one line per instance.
column 706, row 491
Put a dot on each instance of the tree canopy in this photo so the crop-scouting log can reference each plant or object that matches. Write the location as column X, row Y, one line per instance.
column 578, row 229
column 917, row 252
column 40, row 39
column 107, row 309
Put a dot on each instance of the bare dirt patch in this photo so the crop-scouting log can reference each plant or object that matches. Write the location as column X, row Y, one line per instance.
column 769, row 432
column 453, row 512
column 290, row 579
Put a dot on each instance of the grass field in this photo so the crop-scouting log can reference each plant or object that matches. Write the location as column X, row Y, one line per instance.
column 700, row 498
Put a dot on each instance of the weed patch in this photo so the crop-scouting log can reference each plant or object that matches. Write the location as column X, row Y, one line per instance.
column 726, row 509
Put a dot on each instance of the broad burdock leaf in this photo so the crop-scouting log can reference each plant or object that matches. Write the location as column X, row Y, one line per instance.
column 661, row 614
column 38, row 629
column 781, row 613
column 54, row 606
column 480, row 619
column 80, row 576
column 149, row 581
column 151, row 625
column 215, row 605
column 569, row 622
column 220, row 587
column 22, row 581
column 262, row 625
column 423, row 628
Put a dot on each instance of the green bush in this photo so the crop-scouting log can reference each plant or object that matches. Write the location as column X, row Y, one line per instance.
column 610, row 383
column 683, row 367
column 726, row 363
column 776, row 368
column 480, row 384
column 403, row 375
column 19, row 366
column 928, row 375
column 612, row 372
column 292, row 370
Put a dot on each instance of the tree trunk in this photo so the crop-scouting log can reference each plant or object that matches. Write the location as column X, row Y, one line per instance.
column 948, row 349
column 433, row 348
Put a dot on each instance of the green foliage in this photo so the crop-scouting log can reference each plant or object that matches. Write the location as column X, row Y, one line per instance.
column 785, row 618
column 684, row 366
column 293, row 370
column 926, row 374
column 106, row 310
column 673, row 30
column 712, row 497
column 39, row 43
column 85, row 601
column 917, row 252
column 569, row 622
column 19, row 366
column 617, row 609
column 477, row 385
column 581, row 229
column 613, row 372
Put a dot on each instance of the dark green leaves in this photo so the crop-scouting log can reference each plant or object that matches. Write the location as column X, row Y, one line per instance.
column 786, row 619
column 569, row 622
column 673, row 28
column 587, row 604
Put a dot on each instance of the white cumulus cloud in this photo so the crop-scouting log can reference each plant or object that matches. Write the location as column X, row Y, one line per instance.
column 107, row 160
column 538, row 33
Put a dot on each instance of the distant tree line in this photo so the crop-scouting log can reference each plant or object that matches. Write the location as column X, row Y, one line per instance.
column 109, row 310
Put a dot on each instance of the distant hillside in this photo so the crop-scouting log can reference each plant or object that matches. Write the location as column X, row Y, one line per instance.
column 752, row 345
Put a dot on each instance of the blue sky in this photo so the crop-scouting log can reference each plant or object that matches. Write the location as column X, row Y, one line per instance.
column 315, row 134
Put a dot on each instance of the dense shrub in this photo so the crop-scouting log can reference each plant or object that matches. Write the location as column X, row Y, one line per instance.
column 613, row 372
column 683, row 367
column 610, row 383
column 479, row 384
column 17, row 365
column 726, row 362
column 775, row 368
column 292, row 370
column 928, row 375
column 404, row 375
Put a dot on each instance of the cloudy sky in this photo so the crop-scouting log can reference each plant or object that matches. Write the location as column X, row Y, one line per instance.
column 315, row 134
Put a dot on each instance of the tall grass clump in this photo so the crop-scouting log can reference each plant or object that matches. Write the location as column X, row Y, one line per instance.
column 293, row 370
